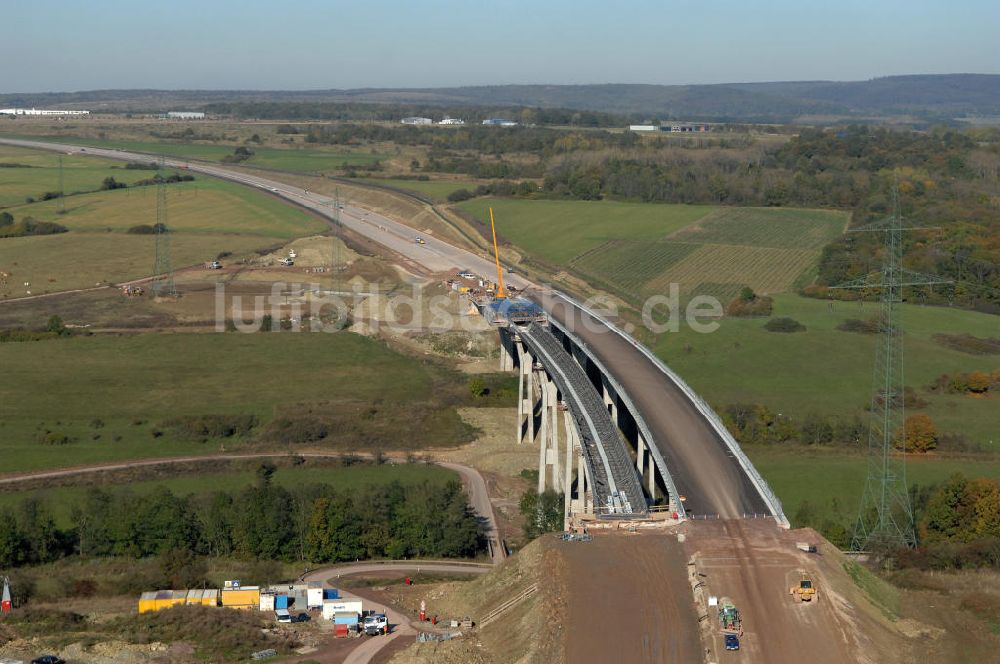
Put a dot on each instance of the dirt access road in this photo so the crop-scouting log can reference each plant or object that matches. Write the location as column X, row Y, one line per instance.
column 369, row 648
column 755, row 564
column 627, row 599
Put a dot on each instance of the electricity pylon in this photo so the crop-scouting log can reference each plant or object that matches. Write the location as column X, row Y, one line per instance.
column 163, row 270
column 885, row 516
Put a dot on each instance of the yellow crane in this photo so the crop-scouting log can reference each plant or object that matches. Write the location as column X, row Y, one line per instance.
column 501, row 289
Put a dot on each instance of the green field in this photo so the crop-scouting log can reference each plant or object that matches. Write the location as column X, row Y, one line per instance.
column 438, row 190
column 826, row 371
column 207, row 217
column 559, row 231
column 61, row 499
column 638, row 250
column 822, row 476
column 299, row 160
column 80, row 173
column 96, row 389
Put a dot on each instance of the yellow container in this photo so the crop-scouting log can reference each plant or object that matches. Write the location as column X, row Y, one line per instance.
column 243, row 598
column 147, row 602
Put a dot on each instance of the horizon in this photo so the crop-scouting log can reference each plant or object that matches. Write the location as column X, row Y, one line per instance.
column 307, row 45
column 495, row 85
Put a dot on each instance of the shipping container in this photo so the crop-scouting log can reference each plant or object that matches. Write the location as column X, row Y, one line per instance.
column 267, row 601
column 331, row 593
column 314, row 598
column 340, row 631
column 210, row 597
column 147, row 602
column 331, row 607
column 345, row 618
column 247, row 597
column 281, row 601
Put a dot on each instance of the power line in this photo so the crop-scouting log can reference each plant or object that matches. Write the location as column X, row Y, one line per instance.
column 163, row 270
column 885, row 517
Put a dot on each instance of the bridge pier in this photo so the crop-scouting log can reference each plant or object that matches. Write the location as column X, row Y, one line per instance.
column 506, row 357
column 525, row 394
column 548, row 449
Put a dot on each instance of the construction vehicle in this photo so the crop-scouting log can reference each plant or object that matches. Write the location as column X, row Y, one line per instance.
column 420, row 240
column 286, row 261
column 729, row 616
column 214, row 265
column 804, row 592
column 805, row 547
column 375, row 624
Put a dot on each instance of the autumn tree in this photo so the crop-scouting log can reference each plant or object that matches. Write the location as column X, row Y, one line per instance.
column 918, row 434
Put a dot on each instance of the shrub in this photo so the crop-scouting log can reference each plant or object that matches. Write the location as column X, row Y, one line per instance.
column 918, row 434
column 966, row 343
column 459, row 195
column 869, row 326
column 783, row 324
column 204, row 427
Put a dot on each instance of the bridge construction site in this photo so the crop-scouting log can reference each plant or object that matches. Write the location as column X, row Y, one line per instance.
column 637, row 444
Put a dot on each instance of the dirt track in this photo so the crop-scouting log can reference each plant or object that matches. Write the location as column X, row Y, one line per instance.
column 627, row 600
column 755, row 564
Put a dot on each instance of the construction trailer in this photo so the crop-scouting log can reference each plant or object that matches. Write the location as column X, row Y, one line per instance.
column 203, row 597
column 333, row 606
column 246, row 597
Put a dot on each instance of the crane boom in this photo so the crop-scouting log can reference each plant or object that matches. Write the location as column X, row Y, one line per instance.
column 501, row 290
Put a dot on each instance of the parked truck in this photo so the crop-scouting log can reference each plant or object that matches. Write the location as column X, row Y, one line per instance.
column 375, row 624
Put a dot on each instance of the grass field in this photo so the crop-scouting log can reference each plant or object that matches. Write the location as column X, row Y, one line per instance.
column 207, row 216
column 61, row 499
column 820, row 476
column 79, row 174
column 559, row 231
column 97, row 389
column 300, row 160
column 437, row 190
column 826, row 371
column 638, row 250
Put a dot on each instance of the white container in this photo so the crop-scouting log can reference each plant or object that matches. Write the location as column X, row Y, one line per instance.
column 314, row 598
column 332, row 606
column 267, row 602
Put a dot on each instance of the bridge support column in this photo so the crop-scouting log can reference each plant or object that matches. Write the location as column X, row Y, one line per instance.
column 571, row 446
column 548, row 452
column 525, row 396
column 543, row 441
column 640, row 456
column 609, row 402
column 506, row 359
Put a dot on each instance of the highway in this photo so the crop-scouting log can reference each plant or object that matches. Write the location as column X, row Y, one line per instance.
column 704, row 469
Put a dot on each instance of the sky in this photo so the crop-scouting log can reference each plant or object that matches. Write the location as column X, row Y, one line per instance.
column 68, row 45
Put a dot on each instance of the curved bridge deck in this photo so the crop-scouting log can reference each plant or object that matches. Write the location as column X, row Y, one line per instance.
column 611, row 469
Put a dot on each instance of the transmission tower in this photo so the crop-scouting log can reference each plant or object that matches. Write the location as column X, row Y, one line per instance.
column 885, row 517
column 62, row 189
column 163, row 270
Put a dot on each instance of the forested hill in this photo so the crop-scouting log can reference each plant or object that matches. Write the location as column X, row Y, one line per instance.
column 925, row 97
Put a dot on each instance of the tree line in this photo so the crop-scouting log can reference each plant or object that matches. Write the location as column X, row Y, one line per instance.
column 318, row 523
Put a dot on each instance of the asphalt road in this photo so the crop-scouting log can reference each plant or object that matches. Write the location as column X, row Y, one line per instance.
column 702, row 467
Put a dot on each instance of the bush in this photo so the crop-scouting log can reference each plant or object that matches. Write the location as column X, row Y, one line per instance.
column 460, row 195
column 918, row 434
column 966, row 343
column 869, row 326
column 784, row 325
column 204, row 427
column 146, row 229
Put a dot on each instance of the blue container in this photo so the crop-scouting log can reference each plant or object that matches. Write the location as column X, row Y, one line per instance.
column 281, row 601
column 345, row 620
column 331, row 593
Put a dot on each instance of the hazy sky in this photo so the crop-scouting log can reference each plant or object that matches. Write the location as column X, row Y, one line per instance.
column 309, row 44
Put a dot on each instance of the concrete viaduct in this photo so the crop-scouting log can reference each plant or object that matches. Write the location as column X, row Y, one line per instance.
column 635, row 437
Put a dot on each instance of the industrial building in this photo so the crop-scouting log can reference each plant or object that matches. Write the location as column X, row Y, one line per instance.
column 39, row 111
column 185, row 115
column 643, row 128
column 417, row 121
column 499, row 122
column 452, row 121
column 684, row 127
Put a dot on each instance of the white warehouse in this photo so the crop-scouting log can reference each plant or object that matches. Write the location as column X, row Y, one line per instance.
column 39, row 111
column 185, row 115
column 417, row 121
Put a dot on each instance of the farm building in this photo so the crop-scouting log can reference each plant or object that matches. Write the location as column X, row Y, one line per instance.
column 417, row 121
column 39, row 111
column 185, row 115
